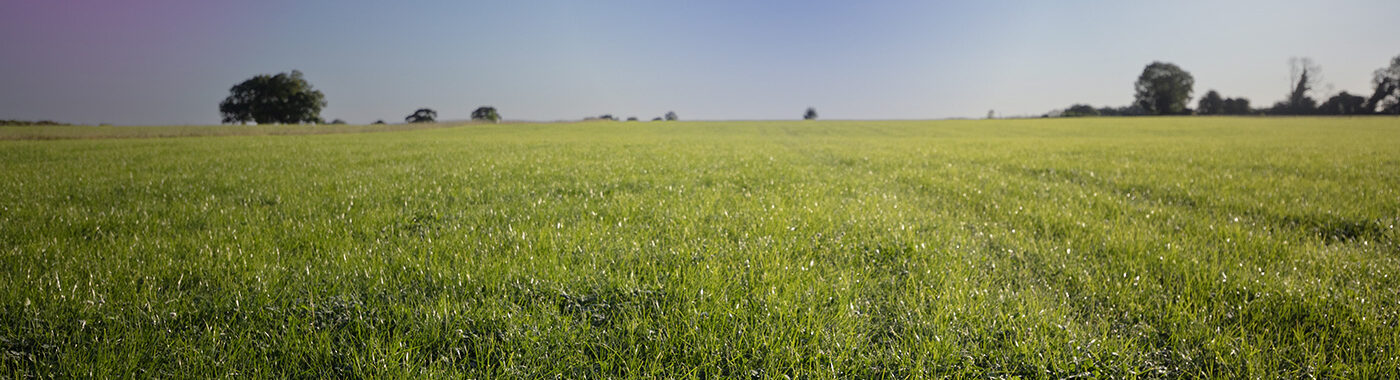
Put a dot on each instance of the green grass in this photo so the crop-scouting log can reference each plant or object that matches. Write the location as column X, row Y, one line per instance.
column 1104, row 247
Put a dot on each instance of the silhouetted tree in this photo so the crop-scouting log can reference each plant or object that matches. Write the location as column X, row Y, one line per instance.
column 337, row 121
column 265, row 99
column 811, row 114
column 671, row 116
column 1211, row 104
column 1079, row 110
column 1235, row 106
column 632, row 118
column 1343, row 104
column 1163, row 89
column 658, row 118
column 1387, row 90
column 379, row 122
column 422, row 115
column 1303, row 76
column 486, row 113
column 991, row 114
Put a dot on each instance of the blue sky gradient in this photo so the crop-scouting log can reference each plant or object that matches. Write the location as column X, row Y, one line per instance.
column 171, row 62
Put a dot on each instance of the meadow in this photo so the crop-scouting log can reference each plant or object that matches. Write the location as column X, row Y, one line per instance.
column 1044, row 248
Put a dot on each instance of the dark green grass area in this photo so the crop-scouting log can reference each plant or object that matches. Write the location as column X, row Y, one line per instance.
column 1135, row 247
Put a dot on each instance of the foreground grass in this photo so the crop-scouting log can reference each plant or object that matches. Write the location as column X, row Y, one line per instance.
column 1170, row 247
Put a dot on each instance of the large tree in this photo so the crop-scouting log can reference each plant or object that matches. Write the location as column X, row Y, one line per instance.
column 281, row 98
column 671, row 116
column 1304, row 75
column 1211, row 104
column 811, row 114
column 1163, row 89
column 1387, row 90
column 422, row 115
column 486, row 113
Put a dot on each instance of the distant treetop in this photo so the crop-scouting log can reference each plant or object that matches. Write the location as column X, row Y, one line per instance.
column 1163, row 89
column 282, row 98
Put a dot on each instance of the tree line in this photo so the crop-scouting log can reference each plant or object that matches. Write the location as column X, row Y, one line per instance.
column 1162, row 89
column 1165, row 89
column 288, row 98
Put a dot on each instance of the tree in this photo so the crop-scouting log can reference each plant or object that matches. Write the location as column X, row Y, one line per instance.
column 1079, row 110
column 658, row 118
column 811, row 114
column 671, row 116
column 422, row 115
column 1163, row 89
column 632, row 118
column 379, row 121
column 1211, row 104
column 486, row 113
column 337, row 121
column 1235, row 106
column 265, row 99
column 1343, row 104
column 1387, row 90
column 1303, row 75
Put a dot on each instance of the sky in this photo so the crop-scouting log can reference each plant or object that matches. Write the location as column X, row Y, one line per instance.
column 159, row 62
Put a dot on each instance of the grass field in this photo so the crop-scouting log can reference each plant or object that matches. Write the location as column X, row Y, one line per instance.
column 1101, row 247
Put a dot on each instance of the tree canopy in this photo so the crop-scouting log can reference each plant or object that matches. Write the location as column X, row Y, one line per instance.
column 422, row 115
column 1387, row 90
column 282, row 98
column 1235, row 106
column 1211, row 104
column 1343, row 104
column 1163, row 89
column 811, row 114
column 486, row 113
column 671, row 116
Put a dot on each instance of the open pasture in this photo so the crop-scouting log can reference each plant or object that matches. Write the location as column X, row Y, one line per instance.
column 1122, row 247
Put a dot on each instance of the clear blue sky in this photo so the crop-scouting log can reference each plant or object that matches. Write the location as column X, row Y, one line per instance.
column 172, row 61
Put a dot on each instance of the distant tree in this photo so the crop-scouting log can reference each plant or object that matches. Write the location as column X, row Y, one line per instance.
column 28, row 122
column 379, row 121
column 1343, row 104
column 265, row 99
column 1131, row 110
column 486, row 113
column 632, row 118
column 1303, row 76
column 1163, row 89
column 337, row 121
column 671, row 116
column 422, row 115
column 991, row 114
column 608, row 117
column 1211, row 104
column 1079, row 110
column 1235, row 106
column 811, row 114
column 1387, row 90
column 658, row 118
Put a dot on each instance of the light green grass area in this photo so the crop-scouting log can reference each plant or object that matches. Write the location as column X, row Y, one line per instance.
column 1102, row 247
